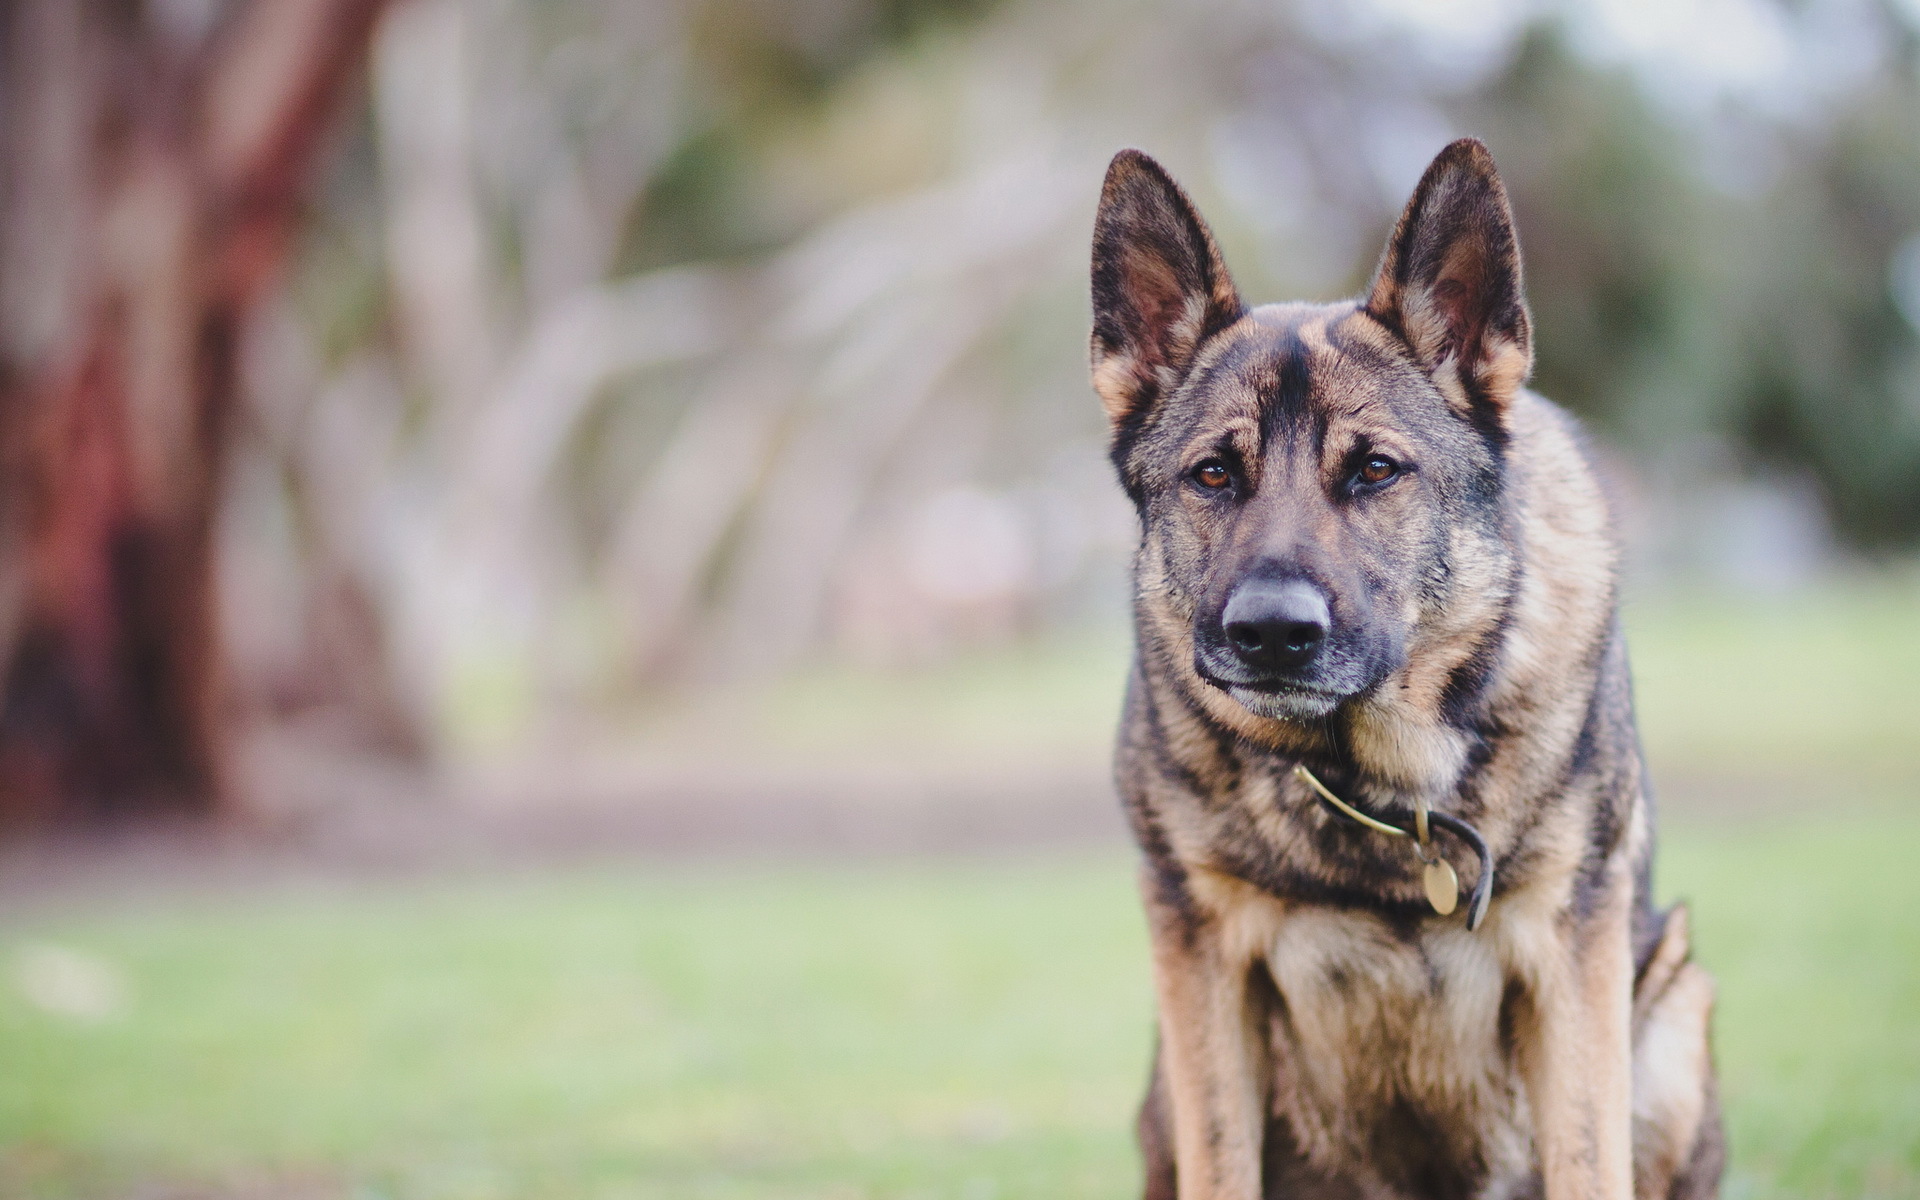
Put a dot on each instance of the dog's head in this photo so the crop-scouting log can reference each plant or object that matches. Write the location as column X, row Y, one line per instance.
column 1319, row 486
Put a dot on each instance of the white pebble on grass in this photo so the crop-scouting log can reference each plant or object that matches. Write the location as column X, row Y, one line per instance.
column 65, row 982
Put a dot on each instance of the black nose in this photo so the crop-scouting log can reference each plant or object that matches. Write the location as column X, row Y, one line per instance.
column 1277, row 625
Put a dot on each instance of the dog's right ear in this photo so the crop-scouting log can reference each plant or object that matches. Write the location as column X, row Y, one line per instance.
column 1160, row 287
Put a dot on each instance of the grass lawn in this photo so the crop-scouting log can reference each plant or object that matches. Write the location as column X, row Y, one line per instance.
column 960, row 1029
column 1814, row 685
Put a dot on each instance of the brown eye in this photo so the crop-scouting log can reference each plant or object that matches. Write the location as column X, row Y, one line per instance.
column 1212, row 474
column 1376, row 470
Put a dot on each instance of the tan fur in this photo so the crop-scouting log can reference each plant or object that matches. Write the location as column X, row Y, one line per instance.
column 1673, row 1008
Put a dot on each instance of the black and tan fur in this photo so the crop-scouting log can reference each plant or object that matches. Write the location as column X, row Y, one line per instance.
column 1323, row 1033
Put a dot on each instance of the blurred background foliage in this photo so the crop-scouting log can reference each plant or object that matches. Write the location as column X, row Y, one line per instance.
column 634, row 345
column 603, row 354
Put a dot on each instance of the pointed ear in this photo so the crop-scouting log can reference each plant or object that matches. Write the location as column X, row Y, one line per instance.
column 1160, row 287
column 1450, row 281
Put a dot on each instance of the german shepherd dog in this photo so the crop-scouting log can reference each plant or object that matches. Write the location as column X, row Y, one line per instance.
column 1375, row 594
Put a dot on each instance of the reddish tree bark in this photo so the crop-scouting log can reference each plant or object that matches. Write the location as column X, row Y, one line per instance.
column 153, row 182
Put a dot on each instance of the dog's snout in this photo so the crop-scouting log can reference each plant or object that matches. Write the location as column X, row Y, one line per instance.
column 1277, row 625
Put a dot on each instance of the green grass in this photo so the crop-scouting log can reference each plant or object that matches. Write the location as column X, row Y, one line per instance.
column 1808, row 925
column 1801, row 685
column 942, row 1031
column 1044, row 697
column 969, row 1030
column 965, row 1029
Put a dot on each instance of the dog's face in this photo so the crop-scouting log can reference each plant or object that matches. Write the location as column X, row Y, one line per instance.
column 1319, row 485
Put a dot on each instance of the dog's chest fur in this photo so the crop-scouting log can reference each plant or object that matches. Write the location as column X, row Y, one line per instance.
column 1397, row 1070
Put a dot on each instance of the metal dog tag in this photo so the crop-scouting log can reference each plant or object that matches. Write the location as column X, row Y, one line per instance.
column 1443, row 886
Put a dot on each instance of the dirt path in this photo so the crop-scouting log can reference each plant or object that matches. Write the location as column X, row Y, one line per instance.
column 332, row 817
column 343, row 818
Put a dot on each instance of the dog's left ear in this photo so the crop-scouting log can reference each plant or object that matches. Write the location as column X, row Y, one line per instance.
column 1450, row 281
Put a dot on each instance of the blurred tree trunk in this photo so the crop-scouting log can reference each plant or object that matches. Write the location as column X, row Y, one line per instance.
column 152, row 175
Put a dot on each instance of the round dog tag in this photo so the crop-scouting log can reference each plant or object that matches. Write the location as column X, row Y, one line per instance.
column 1443, row 886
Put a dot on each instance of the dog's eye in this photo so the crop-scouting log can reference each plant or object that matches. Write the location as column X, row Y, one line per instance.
column 1212, row 474
column 1377, row 470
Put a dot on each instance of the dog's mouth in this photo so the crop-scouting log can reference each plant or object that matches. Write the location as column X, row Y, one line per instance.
column 1277, row 699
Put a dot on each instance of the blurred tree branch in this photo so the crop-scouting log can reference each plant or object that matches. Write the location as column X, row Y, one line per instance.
column 154, row 176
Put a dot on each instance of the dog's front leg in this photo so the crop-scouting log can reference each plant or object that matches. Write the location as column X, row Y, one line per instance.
column 1578, row 1051
column 1211, row 1053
